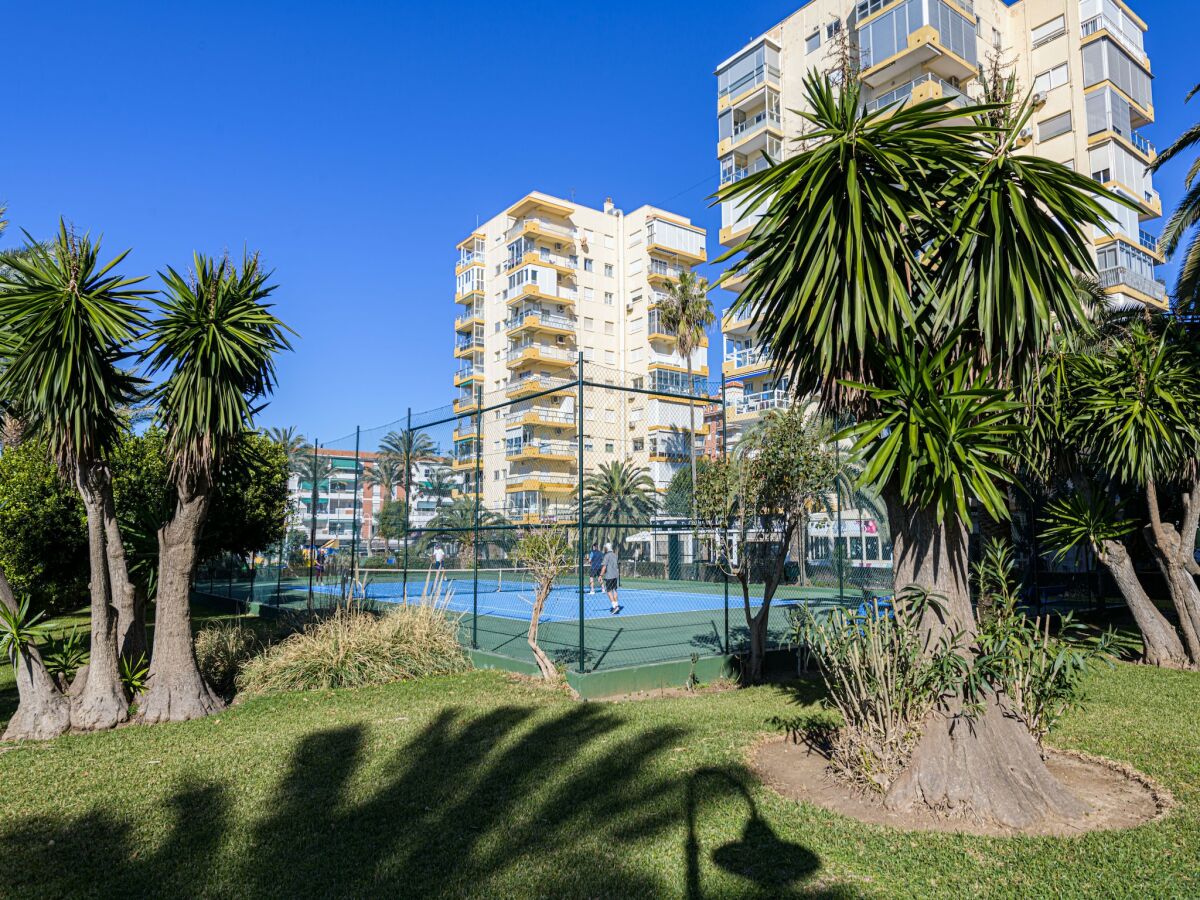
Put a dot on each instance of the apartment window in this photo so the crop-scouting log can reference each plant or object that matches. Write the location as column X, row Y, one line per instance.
column 635, row 355
column 1049, row 31
column 610, row 328
column 589, row 324
column 812, row 42
column 610, row 416
column 609, row 243
column 608, row 298
column 1104, row 176
column 589, row 294
column 639, row 383
column 1054, row 126
column 639, row 444
column 588, row 234
column 588, row 264
column 1051, row 78
column 608, row 270
column 589, row 413
column 610, row 357
column 636, row 298
column 589, row 354
column 495, row 474
column 995, row 38
column 833, row 28
column 609, row 447
column 587, row 445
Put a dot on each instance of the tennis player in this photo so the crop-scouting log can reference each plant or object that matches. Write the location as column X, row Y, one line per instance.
column 612, row 574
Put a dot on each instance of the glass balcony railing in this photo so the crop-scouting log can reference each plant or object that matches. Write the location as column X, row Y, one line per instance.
column 544, row 351
column 730, row 174
column 658, row 267
column 466, row 317
column 751, row 356
column 756, row 123
column 762, row 401
column 547, row 477
column 952, row 95
column 545, row 448
column 567, row 233
column 1120, row 275
column 467, row 257
column 551, row 320
column 1142, row 143
column 543, row 415
column 754, row 78
column 467, row 343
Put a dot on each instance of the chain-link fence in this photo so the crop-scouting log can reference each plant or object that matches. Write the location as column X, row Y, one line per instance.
column 567, row 444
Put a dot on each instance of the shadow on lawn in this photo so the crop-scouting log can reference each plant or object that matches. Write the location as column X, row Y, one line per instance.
column 470, row 799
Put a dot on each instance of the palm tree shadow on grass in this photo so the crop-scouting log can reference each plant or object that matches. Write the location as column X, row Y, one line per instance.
column 497, row 799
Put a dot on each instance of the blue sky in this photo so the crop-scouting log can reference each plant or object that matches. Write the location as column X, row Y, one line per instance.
column 354, row 144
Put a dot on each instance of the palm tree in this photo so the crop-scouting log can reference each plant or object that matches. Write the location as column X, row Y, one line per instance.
column 216, row 339
column 616, row 497
column 439, row 484
column 1184, row 220
column 384, row 474
column 70, row 321
column 457, row 522
column 908, row 271
column 292, row 442
column 410, row 446
column 687, row 314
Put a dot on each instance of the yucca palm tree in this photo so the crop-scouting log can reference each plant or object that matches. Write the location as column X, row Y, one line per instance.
column 618, row 497
column 908, row 270
column 1184, row 220
column 70, row 321
column 687, row 314
column 216, row 338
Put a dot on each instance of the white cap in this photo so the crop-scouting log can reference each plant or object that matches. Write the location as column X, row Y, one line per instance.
column 608, row 545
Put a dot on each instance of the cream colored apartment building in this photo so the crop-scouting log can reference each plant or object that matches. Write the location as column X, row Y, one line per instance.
column 538, row 285
column 1085, row 59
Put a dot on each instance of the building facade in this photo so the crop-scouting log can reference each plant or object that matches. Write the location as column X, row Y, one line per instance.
column 538, row 285
column 1084, row 59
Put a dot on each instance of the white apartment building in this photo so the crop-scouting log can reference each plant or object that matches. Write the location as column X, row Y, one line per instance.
column 1084, row 58
column 539, row 284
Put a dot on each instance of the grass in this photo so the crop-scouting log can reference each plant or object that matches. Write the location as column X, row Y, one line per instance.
column 478, row 785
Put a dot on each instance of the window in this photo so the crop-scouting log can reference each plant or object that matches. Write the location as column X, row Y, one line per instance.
column 812, row 42
column 1051, row 78
column 589, row 324
column 635, row 354
column 609, row 243
column 1054, row 126
column 1049, row 31
column 609, row 447
column 589, row 413
column 610, row 357
column 608, row 270
column 1104, row 176
column 856, row 548
column 639, row 444
column 610, row 416
column 833, row 28
column 589, row 294
column 495, row 474
column 610, row 328
column 872, row 548
column 588, row 264
column 636, row 298
column 608, row 298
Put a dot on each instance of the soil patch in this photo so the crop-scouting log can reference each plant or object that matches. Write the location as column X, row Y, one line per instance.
column 1118, row 795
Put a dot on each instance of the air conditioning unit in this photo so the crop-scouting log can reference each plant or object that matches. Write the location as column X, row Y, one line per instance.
column 1024, row 137
column 1039, row 99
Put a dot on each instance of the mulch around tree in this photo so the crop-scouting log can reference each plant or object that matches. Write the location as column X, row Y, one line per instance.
column 1118, row 795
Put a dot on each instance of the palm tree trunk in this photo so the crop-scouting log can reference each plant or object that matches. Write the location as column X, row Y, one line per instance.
column 42, row 710
column 130, row 604
column 1159, row 639
column 1169, row 553
column 177, row 691
column 102, row 702
column 987, row 767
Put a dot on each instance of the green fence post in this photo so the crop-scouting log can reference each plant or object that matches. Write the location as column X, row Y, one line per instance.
column 475, row 543
column 279, row 574
column 836, row 557
column 579, row 500
column 407, row 507
column 354, row 516
column 724, row 537
column 312, row 532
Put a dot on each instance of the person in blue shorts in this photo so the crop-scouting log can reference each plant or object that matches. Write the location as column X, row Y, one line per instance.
column 596, row 560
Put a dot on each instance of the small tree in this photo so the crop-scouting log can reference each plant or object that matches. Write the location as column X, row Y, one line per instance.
column 547, row 553
column 763, row 495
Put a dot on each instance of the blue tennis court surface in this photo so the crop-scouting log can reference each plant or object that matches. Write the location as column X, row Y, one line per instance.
column 563, row 602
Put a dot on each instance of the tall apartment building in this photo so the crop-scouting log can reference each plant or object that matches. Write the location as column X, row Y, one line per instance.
column 1084, row 58
column 542, row 282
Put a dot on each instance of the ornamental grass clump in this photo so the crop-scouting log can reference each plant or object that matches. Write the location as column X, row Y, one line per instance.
column 355, row 648
column 222, row 651
column 883, row 677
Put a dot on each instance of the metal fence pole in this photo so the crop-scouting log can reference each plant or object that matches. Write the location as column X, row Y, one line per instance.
column 354, row 515
column 838, row 560
column 407, row 507
column 312, row 533
column 279, row 574
column 579, row 500
column 725, row 537
column 478, row 484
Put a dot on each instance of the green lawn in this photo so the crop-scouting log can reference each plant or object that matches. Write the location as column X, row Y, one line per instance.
column 476, row 785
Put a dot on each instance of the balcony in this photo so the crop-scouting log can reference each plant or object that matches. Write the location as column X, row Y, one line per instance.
column 919, row 90
column 741, row 361
column 466, row 432
column 467, row 259
column 466, row 404
column 545, row 482
column 467, row 319
column 731, row 173
column 887, row 52
column 537, row 384
column 662, row 272
column 473, row 294
column 542, row 229
column 762, row 401
column 535, row 320
column 467, row 374
column 548, row 451
column 467, row 347
column 1102, row 26
column 1118, row 277
column 538, row 415
column 540, row 353
column 564, row 265
column 534, row 203
column 530, row 290
column 675, row 239
column 746, row 84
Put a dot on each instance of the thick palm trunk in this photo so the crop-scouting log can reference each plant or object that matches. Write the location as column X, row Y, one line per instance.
column 1160, row 640
column 42, row 710
column 1171, row 555
column 988, row 767
column 1190, row 527
column 176, row 690
column 130, row 605
column 102, row 702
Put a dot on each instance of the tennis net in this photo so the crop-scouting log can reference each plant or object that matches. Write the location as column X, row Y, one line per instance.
column 389, row 582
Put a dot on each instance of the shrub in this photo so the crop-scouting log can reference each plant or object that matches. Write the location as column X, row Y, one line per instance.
column 65, row 656
column 222, row 651
column 882, row 678
column 353, row 648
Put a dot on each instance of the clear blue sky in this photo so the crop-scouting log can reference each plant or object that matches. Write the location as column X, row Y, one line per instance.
column 355, row 143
